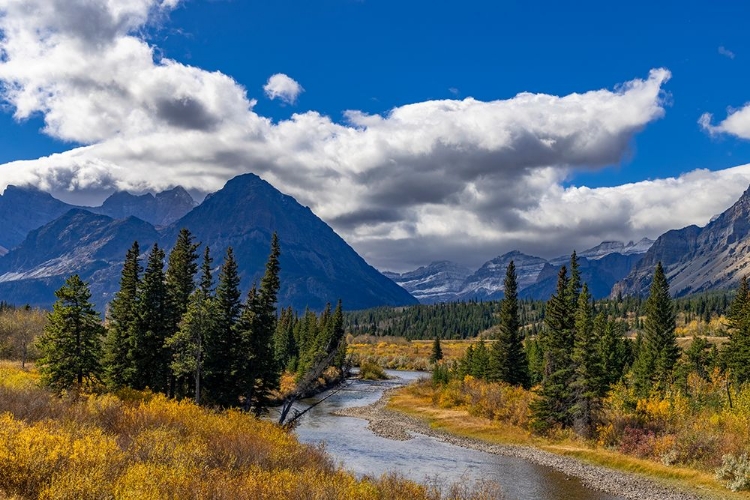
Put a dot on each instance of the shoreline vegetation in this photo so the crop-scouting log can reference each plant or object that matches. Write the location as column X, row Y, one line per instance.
column 143, row 445
column 402, row 411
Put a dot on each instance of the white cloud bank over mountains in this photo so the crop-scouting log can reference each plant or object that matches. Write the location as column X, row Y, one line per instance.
column 457, row 179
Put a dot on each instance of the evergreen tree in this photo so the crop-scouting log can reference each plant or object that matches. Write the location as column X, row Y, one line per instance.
column 437, row 351
column 71, row 343
column 207, row 280
column 119, row 363
column 223, row 353
column 574, row 282
column 613, row 351
column 737, row 314
column 151, row 357
column 508, row 359
column 480, row 361
column 658, row 352
column 182, row 267
column 284, row 344
column 256, row 331
column 586, row 379
column 188, row 343
column 736, row 353
column 554, row 403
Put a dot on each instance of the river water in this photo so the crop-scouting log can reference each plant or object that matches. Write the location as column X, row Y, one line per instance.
column 425, row 458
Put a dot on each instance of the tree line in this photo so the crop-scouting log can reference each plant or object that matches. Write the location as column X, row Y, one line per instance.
column 581, row 351
column 177, row 331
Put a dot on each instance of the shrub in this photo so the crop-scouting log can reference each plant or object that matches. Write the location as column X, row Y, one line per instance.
column 735, row 470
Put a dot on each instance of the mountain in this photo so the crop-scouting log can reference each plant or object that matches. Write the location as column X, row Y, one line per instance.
column 161, row 209
column 81, row 242
column 438, row 282
column 487, row 282
column 599, row 274
column 23, row 209
column 444, row 281
column 317, row 265
column 697, row 259
column 606, row 248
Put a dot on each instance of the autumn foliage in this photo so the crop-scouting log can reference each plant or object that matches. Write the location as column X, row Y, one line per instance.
column 139, row 445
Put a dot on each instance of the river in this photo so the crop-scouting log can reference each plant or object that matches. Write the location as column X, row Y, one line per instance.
column 425, row 458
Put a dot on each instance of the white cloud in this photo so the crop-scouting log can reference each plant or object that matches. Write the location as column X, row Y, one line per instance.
column 280, row 86
column 461, row 179
column 736, row 123
column 726, row 52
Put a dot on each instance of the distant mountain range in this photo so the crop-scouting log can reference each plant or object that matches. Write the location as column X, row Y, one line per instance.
column 48, row 240
column 601, row 267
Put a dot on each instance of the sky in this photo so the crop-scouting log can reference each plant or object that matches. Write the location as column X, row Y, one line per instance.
column 418, row 130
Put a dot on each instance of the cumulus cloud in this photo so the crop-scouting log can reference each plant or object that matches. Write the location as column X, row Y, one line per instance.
column 736, row 123
column 462, row 179
column 282, row 87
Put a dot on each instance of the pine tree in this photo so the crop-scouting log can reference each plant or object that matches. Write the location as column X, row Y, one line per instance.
column 256, row 331
column 207, row 280
column 586, row 379
column 222, row 350
column 613, row 351
column 188, row 343
column 119, row 362
column 507, row 358
column 284, row 344
column 437, row 351
column 182, row 267
column 554, row 403
column 736, row 353
column 71, row 343
column 151, row 358
column 658, row 352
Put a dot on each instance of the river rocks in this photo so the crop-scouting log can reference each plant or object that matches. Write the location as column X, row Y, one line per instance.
column 397, row 426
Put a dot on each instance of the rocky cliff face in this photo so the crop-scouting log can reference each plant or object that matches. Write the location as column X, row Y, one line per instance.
column 698, row 259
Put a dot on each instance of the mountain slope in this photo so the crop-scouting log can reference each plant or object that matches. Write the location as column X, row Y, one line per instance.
column 23, row 209
column 698, row 259
column 81, row 242
column 438, row 282
column 487, row 282
column 317, row 265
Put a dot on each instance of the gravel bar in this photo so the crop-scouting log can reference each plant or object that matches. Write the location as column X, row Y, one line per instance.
column 398, row 426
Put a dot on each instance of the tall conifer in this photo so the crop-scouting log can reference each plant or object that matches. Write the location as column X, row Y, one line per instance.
column 119, row 348
column 658, row 352
column 151, row 358
column 586, row 378
column 508, row 359
column 71, row 343
column 554, row 403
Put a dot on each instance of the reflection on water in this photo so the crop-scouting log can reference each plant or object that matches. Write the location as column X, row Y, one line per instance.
column 424, row 458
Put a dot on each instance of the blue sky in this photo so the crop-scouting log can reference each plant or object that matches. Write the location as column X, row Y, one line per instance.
column 376, row 57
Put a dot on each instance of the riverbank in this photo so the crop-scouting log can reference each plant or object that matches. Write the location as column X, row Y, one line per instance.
column 396, row 425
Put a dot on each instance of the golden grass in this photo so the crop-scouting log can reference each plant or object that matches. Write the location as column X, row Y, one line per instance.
column 399, row 354
column 417, row 401
column 146, row 446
